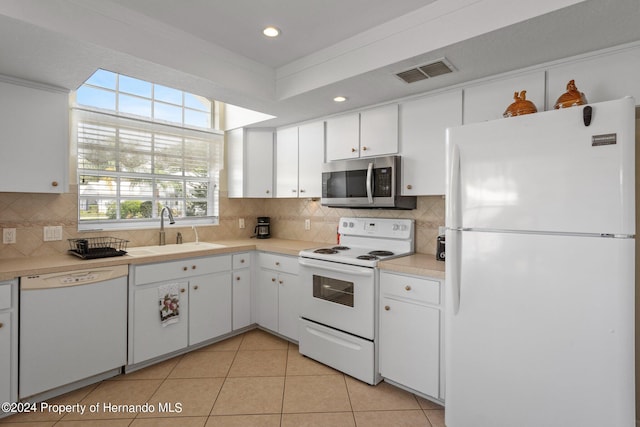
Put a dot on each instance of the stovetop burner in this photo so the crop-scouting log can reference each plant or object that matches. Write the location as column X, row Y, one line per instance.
column 325, row 251
column 381, row 253
column 359, row 239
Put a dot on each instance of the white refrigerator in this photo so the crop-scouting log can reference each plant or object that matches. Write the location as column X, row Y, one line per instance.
column 540, row 270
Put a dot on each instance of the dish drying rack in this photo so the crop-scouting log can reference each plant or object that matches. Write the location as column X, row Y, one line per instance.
column 98, row 247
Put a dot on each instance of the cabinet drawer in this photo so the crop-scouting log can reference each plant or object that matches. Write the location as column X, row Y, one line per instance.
column 242, row 260
column 410, row 288
column 181, row 269
column 282, row 263
column 5, row 296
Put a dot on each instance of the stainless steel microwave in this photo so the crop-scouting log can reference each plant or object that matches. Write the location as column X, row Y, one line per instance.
column 364, row 183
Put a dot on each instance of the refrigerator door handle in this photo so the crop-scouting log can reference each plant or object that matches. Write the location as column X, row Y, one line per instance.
column 453, row 199
column 454, row 251
column 369, row 182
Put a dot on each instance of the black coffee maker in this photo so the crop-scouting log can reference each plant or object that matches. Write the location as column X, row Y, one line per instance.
column 262, row 230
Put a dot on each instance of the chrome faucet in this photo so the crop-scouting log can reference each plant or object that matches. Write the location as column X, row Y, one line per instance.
column 171, row 221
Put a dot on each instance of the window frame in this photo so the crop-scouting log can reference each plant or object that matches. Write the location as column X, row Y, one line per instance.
column 178, row 131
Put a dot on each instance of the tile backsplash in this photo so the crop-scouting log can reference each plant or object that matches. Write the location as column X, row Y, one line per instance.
column 29, row 213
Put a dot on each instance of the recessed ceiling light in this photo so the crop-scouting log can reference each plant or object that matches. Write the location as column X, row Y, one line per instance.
column 271, row 32
column 340, row 99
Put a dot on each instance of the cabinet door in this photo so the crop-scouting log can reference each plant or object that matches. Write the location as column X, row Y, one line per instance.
column 150, row 337
column 241, row 298
column 310, row 159
column 210, row 308
column 287, row 162
column 258, row 171
column 267, row 299
column 423, row 126
column 35, row 124
column 343, row 137
column 488, row 101
column 410, row 345
column 5, row 357
column 288, row 305
column 379, row 131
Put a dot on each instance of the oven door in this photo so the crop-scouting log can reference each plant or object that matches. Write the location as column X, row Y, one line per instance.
column 338, row 295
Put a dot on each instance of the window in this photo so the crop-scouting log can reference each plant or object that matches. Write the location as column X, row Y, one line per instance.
column 143, row 146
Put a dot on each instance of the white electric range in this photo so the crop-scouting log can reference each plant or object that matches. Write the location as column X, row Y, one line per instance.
column 340, row 288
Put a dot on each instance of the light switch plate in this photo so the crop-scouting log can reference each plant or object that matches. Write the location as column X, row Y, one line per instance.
column 8, row 236
column 307, row 224
column 241, row 222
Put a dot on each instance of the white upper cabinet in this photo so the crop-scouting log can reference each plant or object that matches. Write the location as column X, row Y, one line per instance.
column 299, row 158
column 423, row 125
column 489, row 101
column 310, row 159
column 370, row 133
column 343, row 137
column 601, row 78
column 379, row 131
column 250, row 163
column 287, row 162
column 34, row 125
column 259, row 163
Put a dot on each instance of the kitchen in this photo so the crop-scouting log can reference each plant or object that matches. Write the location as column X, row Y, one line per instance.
column 28, row 213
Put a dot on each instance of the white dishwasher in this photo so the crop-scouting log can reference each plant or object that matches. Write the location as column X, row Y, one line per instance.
column 73, row 326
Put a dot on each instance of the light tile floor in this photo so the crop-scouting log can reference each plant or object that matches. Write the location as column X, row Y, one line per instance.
column 254, row 379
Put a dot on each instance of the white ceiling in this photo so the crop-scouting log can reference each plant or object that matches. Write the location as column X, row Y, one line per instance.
column 307, row 26
column 328, row 47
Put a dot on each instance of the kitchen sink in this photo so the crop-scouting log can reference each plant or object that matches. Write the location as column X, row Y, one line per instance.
column 172, row 249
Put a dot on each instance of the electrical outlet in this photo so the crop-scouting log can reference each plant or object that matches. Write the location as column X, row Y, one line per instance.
column 52, row 233
column 307, row 224
column 441, row 230
column 8, row 236
column 241, row 222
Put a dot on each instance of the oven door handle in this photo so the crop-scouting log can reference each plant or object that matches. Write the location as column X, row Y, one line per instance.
column 370, row 182
column 340, row 268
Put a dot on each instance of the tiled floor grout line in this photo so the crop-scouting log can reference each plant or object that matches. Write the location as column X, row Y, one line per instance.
column 284, row 386
column 353, row 414
column 235, row 354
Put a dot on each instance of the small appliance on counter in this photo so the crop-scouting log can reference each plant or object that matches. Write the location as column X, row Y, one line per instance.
column 263, row 228
column 440, row 250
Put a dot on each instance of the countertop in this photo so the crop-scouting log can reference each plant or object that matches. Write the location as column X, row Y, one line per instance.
column 419, row 264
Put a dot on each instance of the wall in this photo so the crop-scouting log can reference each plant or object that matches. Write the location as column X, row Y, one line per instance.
column 29, row 213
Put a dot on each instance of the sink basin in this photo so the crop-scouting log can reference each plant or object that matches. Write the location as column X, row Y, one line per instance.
column 172, row 249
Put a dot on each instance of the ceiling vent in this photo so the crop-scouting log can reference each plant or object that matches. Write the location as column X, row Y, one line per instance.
column 422, row 72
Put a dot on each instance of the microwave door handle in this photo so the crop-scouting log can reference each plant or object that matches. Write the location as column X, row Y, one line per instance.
column 370, row 182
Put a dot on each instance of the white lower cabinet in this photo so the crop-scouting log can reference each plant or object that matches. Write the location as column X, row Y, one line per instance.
column 241, row 290
column 209, row 307
column 150, row 338
column 277, row 302
column 203, row 286
column 8, row 343
column 411, row 332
